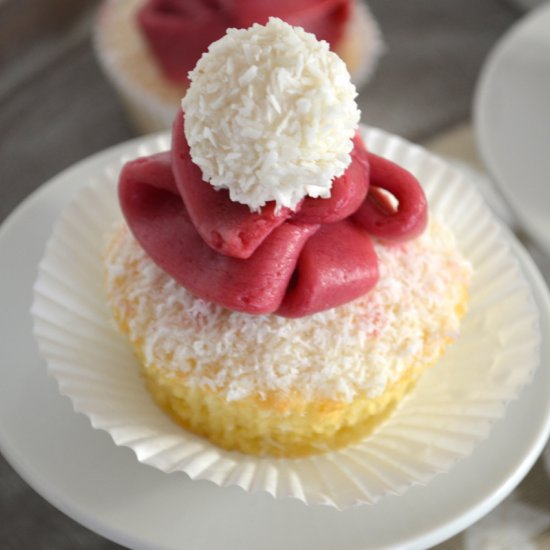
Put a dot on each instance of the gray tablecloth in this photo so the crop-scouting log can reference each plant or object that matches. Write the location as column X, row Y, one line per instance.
column 56, row 108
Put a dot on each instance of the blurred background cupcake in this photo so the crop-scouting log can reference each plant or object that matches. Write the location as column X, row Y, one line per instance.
column 147, row 47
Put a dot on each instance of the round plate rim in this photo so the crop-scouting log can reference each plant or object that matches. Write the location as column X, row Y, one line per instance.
column 430, row 536
column 481, row 98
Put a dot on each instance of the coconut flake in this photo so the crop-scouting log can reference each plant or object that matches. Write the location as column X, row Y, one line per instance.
column 270, row 92
column 354, row 349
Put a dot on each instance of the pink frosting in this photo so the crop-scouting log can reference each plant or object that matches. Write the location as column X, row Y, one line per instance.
column 290, row 263
column 178, row 32
column 379, row 217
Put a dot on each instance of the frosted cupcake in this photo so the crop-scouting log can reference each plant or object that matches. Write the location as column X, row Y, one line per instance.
column 147, row 47
column 281, row 285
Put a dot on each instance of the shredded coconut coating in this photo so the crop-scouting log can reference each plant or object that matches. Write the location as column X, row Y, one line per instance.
column 355, row 349
column 270, row 114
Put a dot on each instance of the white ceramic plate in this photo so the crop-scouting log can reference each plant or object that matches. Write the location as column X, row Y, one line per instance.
column 512, row 120
column 80, row 471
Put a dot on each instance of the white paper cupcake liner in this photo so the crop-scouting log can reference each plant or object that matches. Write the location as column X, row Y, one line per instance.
column 151, row 101
column 451, row 410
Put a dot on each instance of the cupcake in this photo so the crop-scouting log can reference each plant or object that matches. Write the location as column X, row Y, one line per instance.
column 147, row 47
column 281, row 286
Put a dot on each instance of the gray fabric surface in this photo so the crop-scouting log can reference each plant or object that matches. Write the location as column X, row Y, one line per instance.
column 56, row 108
column 434, row 51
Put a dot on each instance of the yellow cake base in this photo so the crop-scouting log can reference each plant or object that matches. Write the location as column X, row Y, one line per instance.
column 279, row 426
column 163, row 320
column 292, row 428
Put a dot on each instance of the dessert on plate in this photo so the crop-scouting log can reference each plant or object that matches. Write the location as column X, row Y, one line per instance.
column 147, row 47
column 282, row 286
